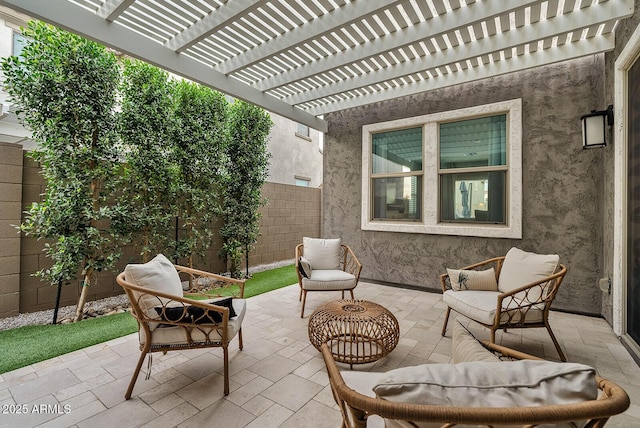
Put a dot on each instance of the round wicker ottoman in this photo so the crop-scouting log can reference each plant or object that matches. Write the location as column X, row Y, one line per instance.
column 357, row 331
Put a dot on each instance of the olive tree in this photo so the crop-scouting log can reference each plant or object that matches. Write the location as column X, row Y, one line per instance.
column 65, row 89
column 248, row 160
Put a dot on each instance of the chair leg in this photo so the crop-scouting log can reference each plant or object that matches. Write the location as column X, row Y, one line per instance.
column 446, row 320
column 300, row 297
column 342, row 294
column 555, row 342
column 351, row 291
column 226, row 369
column 493, row 336
column 134, row 377
column 304, row 300
column 240, row 338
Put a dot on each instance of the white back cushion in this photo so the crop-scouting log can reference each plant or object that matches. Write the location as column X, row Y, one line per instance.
column 465, row 347
column 159, row 274
column 525, row 383
column 322, row 253
column 521, row 268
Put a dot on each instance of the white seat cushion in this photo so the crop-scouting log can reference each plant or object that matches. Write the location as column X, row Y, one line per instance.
column 203, row 332
column 159, row 274
column 329, row 280
column 521, row 268
column 481, row 306
column 322, row 253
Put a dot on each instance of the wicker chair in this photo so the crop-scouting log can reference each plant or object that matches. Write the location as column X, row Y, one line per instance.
column 342, row 277
column 356, row 407
column 162, row 329
column 523, row 306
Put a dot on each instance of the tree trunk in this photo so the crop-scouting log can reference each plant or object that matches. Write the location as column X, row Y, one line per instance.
column 55, row 310
column 86, row 281
column 83, row 296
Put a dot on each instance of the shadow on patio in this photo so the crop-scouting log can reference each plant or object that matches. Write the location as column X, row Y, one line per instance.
column 278, row 380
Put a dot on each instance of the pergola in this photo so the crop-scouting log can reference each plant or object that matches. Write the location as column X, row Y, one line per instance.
column 302, row 59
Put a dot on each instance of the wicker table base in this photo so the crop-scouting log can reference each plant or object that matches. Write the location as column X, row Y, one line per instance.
column 357, row 331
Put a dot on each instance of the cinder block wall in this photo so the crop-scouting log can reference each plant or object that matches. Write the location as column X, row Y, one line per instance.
column 292, row 212
column 10, row 209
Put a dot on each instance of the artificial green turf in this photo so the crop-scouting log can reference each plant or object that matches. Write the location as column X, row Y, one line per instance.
column 34, row 343
column 23, row 346
column 268, row 280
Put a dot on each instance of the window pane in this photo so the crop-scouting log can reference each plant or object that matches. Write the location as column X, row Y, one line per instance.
column 302, row 129
column 474, row 143
column 476, row 197
column 302, row 182
column 397, row 198
column 397, row 151
column 19, row 41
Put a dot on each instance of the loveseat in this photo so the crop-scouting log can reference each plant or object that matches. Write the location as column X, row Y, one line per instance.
column 488, row 385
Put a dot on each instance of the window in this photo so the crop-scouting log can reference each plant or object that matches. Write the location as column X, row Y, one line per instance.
column 473, row 170
column 302, row 181
column 19, row 41
column 302, row 131
column 455, row 172
column 397, row 174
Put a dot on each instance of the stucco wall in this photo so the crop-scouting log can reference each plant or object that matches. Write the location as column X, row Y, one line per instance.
column 293, row 156
column 562, row 196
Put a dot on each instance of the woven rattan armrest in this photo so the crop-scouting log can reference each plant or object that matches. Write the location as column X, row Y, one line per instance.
column 223, row 282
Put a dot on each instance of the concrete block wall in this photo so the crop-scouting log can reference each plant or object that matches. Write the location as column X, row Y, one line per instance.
column 10, row 212
column 293, row 212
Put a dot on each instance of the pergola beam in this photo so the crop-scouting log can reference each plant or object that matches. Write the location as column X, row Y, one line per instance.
column 474, row 13
column 574, row 21
column 325, row 24
column 112, row 9
column 539, row 58
column 215, row 21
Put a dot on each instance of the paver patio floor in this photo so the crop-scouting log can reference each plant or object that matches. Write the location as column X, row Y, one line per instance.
column 278, row 380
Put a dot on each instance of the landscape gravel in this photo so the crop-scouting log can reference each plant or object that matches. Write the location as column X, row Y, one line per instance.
column 97, row 307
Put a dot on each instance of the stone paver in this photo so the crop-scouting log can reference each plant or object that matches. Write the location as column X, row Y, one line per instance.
column 279, row 379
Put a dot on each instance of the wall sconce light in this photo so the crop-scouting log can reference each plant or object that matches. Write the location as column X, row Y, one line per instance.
column 594, row 130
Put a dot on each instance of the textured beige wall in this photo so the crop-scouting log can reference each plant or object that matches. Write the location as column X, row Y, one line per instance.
column 10, row 209
column 292, row 212
column 562, row 196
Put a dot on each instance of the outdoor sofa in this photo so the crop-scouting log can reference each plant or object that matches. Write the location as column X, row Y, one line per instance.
column 488, row 385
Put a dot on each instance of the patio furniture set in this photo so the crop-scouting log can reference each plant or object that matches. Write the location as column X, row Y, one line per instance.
column 487, row 384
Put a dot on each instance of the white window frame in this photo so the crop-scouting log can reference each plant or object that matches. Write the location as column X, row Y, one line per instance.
column 430, row 186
